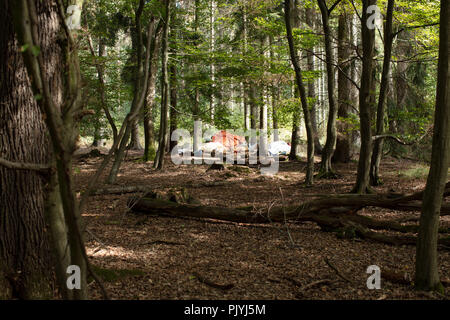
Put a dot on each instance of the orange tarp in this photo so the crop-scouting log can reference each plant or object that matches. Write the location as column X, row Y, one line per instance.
column 228, row 140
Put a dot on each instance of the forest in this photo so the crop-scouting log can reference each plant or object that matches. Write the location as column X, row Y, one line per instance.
column 224, row 150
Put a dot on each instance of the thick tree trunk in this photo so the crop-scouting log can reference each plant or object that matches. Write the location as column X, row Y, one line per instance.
column 427, row 276
column 135, row 143
column 26, row 262
column 368, row 43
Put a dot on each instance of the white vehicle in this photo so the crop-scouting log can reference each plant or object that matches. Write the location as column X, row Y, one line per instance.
column 279, row 148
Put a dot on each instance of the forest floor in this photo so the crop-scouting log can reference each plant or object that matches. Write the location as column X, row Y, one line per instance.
column 154, row 257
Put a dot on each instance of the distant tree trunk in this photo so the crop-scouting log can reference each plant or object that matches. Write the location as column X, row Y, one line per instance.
column 296, row 115
column 275, row 96
column 328, row 150
column 164, row 123
column 343, row 143
column 302, row 91
column 245, row 84
column 102, row 91
column 140, row 93
column 246, row 106
column 212, row 68
column 381, row 109
column 173, row 102
column 99, row 140
column 427, row 276
column 368, row 43
column 197, row 139
column 295, row 135
column 309, row 18
column 275, row 100
column 149, row 126
column 135, row 143
column 253, row 111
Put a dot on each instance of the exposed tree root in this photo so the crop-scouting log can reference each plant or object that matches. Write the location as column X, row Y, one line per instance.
column 212, row 284
column 327, row 175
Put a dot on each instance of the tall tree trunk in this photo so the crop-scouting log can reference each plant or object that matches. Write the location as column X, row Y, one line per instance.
column 302, row 91
column 212, row 67
column 102, row 87
column 26, row 262
column 296, row 115
column 328, row 150
column 384, row 85
column 343, row 142
column 309, row 18
column 368, row 43
column 173, row 102
column 197, row 139
column 275, row 96
column 149, row 126
column 55, row 62
column 427, row 276
column 140, row 94
column 163, row 129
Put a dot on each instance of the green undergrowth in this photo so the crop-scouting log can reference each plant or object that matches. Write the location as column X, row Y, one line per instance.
column 110, row 275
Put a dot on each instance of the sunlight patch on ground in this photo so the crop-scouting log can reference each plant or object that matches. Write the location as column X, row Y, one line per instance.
column 122, row 253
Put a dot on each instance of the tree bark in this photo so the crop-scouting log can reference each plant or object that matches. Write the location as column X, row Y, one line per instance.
column 26, row 261
column 140, row 94
column 328, row 150
column 135, row 143
column 365, row 95
column 384, row 85
column 343, row 142
column 149, row 126
column 173, row 102
column 309, row 19
column 299, row 80
column 164, row 130
column 427, row 276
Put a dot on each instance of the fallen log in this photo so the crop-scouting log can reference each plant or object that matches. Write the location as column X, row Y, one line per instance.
column 404, row 278
column 331, row 214
column 121, row 190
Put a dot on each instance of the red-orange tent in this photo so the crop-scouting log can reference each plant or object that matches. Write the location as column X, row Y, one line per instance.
column 228, row 140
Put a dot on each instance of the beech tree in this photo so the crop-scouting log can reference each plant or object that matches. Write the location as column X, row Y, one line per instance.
column 302, row 91
column 365, row 98
column 427, row 275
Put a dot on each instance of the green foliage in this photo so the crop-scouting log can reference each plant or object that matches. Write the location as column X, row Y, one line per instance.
column 214, row 70
column 111, row 275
